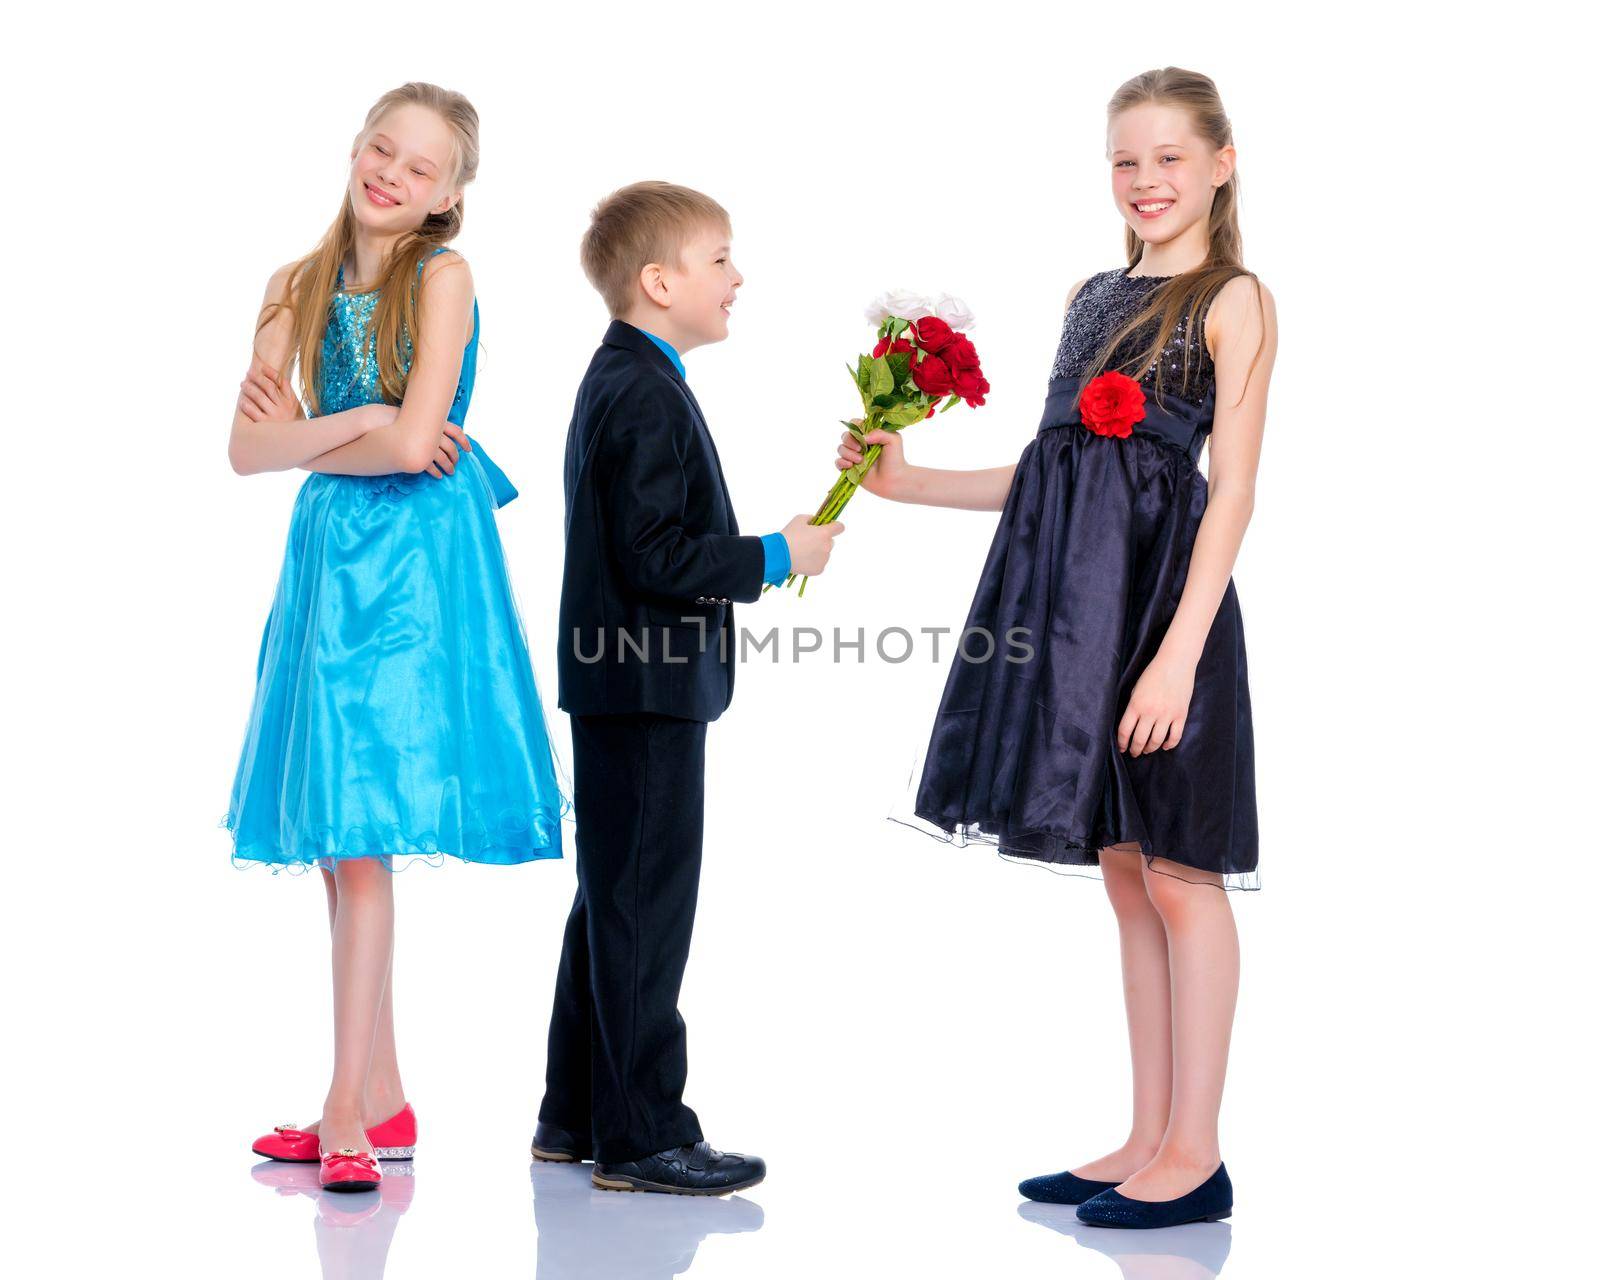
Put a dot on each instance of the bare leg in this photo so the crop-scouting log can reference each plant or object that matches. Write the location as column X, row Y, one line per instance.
column 1203, row 945
column 363, row 946
column 331, row 887
column 1148, row 998
column 384, row 1093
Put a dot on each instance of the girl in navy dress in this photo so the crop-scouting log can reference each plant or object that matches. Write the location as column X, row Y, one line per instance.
column 1120, row 739
column 395, row 712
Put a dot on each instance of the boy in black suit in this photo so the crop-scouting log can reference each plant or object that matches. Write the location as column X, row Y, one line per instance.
column 654, row 560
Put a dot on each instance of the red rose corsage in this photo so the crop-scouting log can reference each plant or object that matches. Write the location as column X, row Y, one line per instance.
column 1111, row 404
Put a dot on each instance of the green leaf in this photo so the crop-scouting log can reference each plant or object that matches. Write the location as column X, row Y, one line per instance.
column 881, row 379
column 899, row 366
column 897, row 326
column 863, row 377
column 903, row 415
column 951, row 403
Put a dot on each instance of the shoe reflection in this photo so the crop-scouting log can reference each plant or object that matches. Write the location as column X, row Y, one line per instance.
column 353, row 1231
column 1193, row 1252
column 586, row 1234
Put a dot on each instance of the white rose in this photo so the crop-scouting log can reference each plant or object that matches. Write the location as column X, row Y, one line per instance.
column 898, row 302
column 953, row 312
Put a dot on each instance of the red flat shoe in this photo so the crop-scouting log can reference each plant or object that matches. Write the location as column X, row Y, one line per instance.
column 287, row 1143
column 393, row 1139
column 396, row 1137
column 349, row 1170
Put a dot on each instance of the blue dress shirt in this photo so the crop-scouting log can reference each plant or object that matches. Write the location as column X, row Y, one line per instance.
column 774, row 546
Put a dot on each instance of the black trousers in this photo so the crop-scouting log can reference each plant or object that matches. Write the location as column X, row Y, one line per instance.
column 618, row 1055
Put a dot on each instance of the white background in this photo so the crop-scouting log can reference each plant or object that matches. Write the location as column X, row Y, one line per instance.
column 903, row 1029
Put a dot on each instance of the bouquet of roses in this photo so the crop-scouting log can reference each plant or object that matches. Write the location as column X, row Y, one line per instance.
column 923, row 363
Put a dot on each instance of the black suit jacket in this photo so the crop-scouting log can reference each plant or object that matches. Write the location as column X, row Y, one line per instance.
column 654, row 558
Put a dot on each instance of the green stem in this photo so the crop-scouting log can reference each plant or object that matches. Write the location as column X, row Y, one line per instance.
column 838, row 499
column 828, row 501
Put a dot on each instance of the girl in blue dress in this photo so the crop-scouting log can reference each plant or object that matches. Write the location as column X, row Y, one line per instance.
column 1122, row 742
column 396, row 713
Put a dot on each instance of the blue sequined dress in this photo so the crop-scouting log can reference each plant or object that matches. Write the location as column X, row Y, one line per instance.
column 395, row 709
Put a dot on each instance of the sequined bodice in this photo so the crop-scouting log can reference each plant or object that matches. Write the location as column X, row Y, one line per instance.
column 1104, row 304
column 349, row 373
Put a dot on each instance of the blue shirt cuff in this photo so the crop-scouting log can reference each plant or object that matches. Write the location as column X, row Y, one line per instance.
column 776, row 549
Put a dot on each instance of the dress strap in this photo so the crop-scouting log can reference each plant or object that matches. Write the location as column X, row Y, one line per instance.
column 423, row 261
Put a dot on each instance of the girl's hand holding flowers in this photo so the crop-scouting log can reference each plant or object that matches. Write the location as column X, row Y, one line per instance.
column 922, row 364
column 887, row 478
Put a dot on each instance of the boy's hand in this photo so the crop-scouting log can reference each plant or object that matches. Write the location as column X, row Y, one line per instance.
column 809, row 544
column 888, row 473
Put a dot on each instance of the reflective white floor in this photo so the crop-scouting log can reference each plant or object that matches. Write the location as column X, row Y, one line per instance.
column 900, row 1075
column 580, row 1232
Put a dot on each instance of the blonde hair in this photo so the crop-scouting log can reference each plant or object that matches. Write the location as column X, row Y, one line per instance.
column 639, row 224
column 312, row 279
column 1189, row 294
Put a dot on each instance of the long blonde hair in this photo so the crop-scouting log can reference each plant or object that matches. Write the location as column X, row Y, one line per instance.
column 312, row 279
column 1190, row 294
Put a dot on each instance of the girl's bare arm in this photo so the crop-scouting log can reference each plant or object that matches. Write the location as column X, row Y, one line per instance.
column 261, row 441
column 420, row 434
column 1237, row 326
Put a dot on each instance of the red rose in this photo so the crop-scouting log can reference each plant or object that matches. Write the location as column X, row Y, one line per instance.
column 1111, row 404
column 960, row 354
column 932, row 375
column 885, row 347
column 933, row 334
column 971, row 386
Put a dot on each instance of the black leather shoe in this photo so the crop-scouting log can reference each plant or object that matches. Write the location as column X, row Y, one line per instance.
column 1062, row 1188
column 683, row 1171
column 551, row 1142
column 1211, row 1201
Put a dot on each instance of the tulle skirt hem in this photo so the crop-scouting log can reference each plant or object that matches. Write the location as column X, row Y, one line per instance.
column 518, row 841
column 1074, row 855
column 1088, row 566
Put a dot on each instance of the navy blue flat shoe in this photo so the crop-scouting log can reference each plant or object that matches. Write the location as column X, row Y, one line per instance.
column 1211, row 1200
column 1062, row 1188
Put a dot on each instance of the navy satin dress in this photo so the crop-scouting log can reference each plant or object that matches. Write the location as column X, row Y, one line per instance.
column 1089, row 560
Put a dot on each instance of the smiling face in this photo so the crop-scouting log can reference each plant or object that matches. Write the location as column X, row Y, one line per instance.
column 402, row 170
column 1164, row 175
column 702, row 286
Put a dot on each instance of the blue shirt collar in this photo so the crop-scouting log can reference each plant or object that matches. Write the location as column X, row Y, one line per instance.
column 668, row 349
